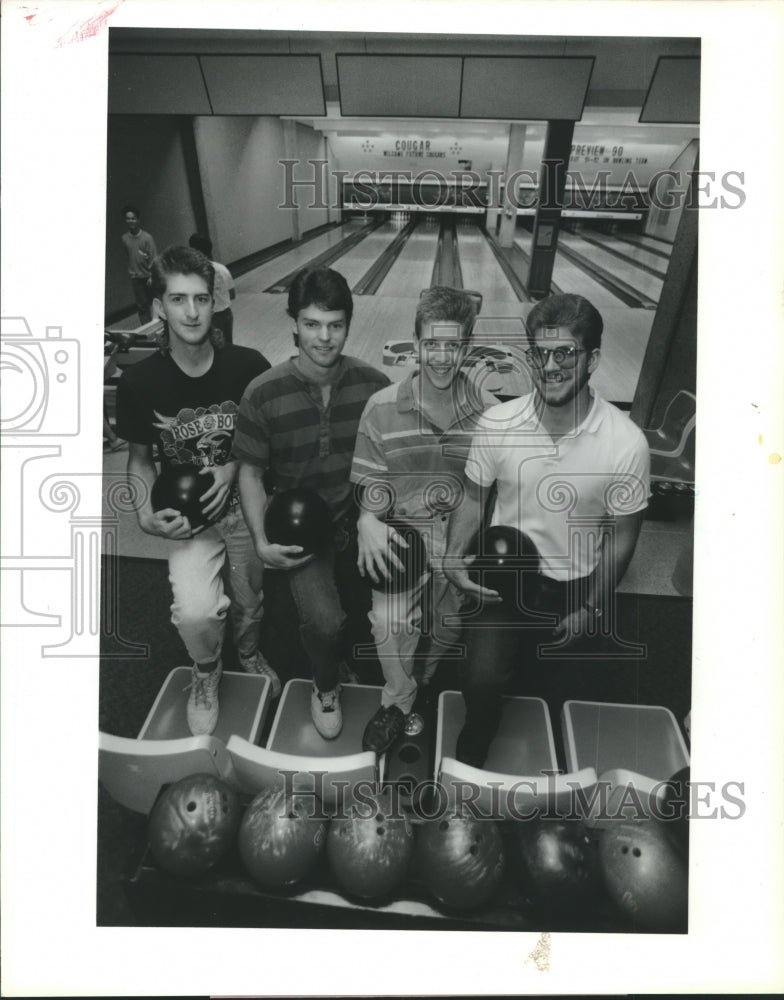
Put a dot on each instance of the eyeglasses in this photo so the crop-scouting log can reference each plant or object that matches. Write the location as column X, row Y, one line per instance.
column 564, row 357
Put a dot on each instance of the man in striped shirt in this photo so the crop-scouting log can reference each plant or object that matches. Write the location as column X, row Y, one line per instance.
column 409, row 466
column 298, row 424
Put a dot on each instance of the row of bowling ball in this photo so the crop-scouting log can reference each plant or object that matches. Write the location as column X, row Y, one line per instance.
column 302, row 517
column 561, row 865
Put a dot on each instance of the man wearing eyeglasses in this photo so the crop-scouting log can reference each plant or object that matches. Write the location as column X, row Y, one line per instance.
column 572, row 472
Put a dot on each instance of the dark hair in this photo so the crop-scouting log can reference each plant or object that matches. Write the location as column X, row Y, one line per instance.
column 179, row 260
column 201, row 243
column 451, row 305
column 572, row 311
column 131, row 208
column 321, row 287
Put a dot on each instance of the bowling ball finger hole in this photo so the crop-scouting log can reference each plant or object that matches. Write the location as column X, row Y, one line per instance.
column 380, row 831
column 408, row 754
column 191, row 806
column 637, row 852
column 443, row 825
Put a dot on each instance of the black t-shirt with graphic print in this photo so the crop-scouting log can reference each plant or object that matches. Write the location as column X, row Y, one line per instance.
column 190, row 419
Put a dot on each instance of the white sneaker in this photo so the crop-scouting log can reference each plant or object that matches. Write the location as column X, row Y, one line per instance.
column 203, row 705
column 326, row 712
column 257, row 664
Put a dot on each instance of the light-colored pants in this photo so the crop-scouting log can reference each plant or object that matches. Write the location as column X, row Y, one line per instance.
column 210, row 573
column 398, row 621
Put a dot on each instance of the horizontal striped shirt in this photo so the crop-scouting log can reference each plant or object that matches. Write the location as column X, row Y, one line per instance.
column 406, row 465
column 284, row 426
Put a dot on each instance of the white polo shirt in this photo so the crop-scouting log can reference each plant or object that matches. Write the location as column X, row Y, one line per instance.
column 223, row 286
column 561, row 492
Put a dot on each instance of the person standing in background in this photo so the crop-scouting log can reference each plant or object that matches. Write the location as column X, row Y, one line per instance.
column 140, row 247
column 225, row 292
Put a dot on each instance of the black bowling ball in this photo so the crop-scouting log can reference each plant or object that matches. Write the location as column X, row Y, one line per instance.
column 560, row 862
column 299, row 517
column 414, row 558
column 179, row 487
column 507, row 561
column 674, row 810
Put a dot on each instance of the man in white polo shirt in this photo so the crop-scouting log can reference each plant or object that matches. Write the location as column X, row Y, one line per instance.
column 572, row 472
column 225, row 292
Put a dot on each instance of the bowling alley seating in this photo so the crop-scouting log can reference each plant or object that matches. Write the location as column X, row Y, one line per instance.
column 632, row 748
column 520, row 774
column 332, row 779
column 324, row 766
column 133, row 770
column 672, row 442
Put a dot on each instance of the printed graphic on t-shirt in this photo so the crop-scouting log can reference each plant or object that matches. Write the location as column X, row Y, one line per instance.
column 202, row 436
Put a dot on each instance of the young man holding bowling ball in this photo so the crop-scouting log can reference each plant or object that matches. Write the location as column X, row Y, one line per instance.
column 297, row 426
column 184, row 399
column 408, row 465
column 573, row 473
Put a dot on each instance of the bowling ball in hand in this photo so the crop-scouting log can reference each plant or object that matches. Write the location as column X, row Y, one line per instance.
column 193, row 824
column 414, row 559
column 179, row 487
column 507, row 561
column 299, row 517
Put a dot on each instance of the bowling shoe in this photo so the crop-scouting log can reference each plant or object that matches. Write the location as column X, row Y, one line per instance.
column 383, row 729
column 326, row 712
column 256, row 664
column 202, row 711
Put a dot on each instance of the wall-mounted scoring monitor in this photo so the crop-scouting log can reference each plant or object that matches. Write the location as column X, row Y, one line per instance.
column 265, row 84
column 220, row 85
column 673, row 96
column 392, row 85
column 156, row 85
column 540, row 88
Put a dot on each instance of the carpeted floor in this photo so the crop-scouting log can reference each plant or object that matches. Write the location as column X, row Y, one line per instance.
column 659, row 675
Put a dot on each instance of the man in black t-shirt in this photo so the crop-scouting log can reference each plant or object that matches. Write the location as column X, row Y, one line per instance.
column 184, row 399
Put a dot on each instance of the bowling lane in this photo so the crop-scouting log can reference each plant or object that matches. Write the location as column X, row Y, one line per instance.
column 413, row 268
column 627, row 272
column 636, row 254
column 355, row 264
column 572, row 280
column 262, row 277
column 658, row 247
column 481, row 271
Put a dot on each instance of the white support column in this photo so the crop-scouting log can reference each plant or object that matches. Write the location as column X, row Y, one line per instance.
column 514, row 162
column 291, row 153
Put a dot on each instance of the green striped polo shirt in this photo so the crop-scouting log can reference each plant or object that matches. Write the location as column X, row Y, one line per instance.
column 403, row 461
column 283, row 426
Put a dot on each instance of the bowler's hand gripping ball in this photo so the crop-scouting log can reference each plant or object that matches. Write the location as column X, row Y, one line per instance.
column 179, row 487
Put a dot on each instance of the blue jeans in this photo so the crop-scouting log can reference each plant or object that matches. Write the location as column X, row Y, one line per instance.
column 213, row 572
column 321, row 615
column 398, row 620
column 498, row 650
column 142, row 294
